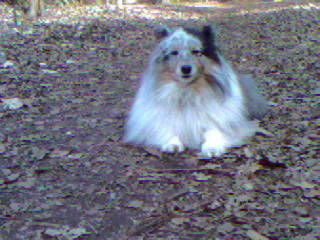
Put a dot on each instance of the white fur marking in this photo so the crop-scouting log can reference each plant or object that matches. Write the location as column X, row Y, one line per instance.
column 173, row 145
column 214, row 144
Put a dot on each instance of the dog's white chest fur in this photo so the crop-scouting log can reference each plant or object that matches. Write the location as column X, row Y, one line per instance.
column 173, row 117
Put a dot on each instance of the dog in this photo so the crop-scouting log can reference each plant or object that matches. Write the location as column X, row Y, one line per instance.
column 190, row 96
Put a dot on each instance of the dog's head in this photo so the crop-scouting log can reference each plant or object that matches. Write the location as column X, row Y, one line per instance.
column 186, row 53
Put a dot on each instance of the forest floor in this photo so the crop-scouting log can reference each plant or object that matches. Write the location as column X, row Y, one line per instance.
column 66, row 85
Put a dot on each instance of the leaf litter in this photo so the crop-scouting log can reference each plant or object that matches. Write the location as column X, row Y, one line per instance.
column 66, row 173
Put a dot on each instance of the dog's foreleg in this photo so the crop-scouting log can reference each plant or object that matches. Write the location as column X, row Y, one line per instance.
column 173, row 145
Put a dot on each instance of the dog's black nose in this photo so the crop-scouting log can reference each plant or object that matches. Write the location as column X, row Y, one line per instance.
column 186, row 69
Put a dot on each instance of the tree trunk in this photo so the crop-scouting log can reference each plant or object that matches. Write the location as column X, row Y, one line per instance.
column 36, row 7
column 120, row 4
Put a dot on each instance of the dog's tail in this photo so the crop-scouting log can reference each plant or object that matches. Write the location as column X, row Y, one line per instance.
column 256, row 103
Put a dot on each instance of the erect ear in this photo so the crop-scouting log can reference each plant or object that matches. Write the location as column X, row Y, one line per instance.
column 208, row 34
column 210, row 48
column 162, row 32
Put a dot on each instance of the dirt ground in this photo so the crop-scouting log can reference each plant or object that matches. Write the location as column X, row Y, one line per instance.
column 66, row 85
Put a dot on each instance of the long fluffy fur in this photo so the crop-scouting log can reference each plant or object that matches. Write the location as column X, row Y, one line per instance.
column 191, row 97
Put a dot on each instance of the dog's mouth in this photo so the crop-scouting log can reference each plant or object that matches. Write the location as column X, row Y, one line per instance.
column 187, row 79
column 186, row 76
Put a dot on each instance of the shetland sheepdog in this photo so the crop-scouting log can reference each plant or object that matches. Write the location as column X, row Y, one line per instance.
column 190, row 96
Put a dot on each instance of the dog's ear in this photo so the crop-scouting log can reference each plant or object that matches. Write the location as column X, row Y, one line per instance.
column 207, row 32
column 210, row 48
column 162, row 32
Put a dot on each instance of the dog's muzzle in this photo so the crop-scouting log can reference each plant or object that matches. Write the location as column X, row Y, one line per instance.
column 186, row 71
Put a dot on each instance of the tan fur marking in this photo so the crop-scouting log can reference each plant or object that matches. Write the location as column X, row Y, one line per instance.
column 166, row 77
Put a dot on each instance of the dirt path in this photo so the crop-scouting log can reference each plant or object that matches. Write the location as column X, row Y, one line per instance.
column 65, row 174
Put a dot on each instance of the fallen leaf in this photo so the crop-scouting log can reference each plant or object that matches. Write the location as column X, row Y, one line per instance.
column 28, row 183
column 13, row 177
column 50, row 71
column 67, row 232
column 312, row 193
column 211, row 166
column 2, row 148
column 8, row 64
column 252, row 234
column 303, row 184
column 201, row 176
column 59, row 153
column 12, row 103
column 180, row 220
column 135, row 204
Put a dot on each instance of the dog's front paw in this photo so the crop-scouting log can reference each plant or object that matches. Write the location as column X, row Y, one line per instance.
column 215, row 143
column 210, row 149
column 174, row 145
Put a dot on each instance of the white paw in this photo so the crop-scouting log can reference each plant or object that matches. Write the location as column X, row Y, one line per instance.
column 215, row 143
column 210, row 149
column 174, row 145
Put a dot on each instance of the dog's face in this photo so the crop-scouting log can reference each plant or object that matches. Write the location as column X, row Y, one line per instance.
column 181, row 53
column 184, row 53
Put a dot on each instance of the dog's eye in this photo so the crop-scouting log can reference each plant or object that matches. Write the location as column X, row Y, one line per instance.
column 174, row 53
column 196, row 52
